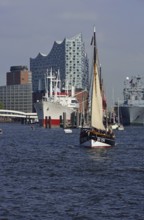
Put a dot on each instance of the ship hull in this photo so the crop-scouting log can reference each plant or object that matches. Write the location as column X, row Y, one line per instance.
column 132, row 115
column 95, row 144
column 91, row 139
column 50, row 113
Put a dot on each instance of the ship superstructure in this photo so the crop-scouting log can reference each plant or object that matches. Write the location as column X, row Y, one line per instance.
column 132, row 109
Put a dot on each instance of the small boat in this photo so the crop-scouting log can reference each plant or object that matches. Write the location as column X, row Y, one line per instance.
column 113, row 121
column 68, row 130
column 1, row 131
column 96, row 135
column 120, row 125
column 114, row 126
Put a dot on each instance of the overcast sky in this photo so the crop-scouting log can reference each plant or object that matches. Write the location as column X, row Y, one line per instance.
column 28, row 27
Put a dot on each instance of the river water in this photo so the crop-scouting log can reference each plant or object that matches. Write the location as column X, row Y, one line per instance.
column 45, row 174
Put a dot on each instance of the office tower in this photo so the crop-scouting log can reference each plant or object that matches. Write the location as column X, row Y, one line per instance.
column 17, row 94
column 17, row 97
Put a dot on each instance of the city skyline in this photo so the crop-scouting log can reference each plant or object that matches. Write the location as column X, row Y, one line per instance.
column 30, row 27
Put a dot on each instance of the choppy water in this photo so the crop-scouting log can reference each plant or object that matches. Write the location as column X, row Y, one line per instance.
column 44, row 174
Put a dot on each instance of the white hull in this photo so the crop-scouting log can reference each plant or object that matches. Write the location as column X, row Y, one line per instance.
column 114, row 126
column 68, row 131
column 54, row 110
column 94, row 144
column 120, row 128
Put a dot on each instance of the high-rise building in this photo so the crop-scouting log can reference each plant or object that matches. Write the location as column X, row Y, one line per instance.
column 17, row 97
column 17, row 94
column 68, row 57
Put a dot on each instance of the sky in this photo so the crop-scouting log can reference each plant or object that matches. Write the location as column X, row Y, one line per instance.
column 28, row 27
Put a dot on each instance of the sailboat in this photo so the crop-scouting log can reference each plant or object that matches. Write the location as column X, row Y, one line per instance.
column 120, row 125
column 95, row 134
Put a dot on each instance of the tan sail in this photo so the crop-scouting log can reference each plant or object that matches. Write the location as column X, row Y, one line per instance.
column 96, row 105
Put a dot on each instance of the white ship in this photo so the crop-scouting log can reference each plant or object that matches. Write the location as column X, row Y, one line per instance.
column 132, row 109
column 55, row 103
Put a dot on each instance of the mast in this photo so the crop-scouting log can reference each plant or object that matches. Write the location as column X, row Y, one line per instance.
column 46, row 84
column 50, row 83
column 95, row 51
column 101, row 81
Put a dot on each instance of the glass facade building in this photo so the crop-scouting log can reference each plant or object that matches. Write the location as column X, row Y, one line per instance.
column 17, row 97
column 17, row 94
column 68, row 57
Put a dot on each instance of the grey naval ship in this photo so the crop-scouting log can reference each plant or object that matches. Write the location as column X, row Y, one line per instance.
column 132, row 108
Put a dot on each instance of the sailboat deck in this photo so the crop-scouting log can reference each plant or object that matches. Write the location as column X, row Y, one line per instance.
column 100, row 133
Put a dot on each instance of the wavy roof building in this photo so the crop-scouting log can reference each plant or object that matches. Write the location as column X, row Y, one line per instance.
column 67, row 56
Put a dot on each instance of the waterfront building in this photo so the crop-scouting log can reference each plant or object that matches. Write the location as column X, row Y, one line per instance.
column 18, row 75
column 17, row 97
column 68, row 57
column 17, row 94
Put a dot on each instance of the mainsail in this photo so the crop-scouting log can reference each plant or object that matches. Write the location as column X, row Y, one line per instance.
column 96, row 99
